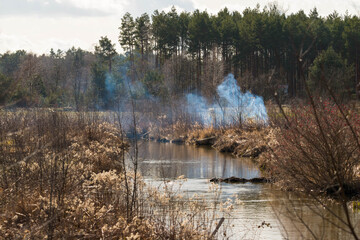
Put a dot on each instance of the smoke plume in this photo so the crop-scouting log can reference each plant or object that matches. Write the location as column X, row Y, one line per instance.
column 231, row 106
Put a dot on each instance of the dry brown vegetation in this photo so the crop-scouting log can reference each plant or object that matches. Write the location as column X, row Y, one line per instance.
column 198, row 132
column 247, row 140
column 316, row 152
column 317, row 149
column 64, row 176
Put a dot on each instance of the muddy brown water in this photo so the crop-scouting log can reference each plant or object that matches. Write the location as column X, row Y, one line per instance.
column 283, row 212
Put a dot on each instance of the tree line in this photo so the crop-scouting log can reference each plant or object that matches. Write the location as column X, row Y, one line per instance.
column 169, row 54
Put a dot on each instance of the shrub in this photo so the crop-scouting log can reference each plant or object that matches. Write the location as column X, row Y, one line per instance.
column 318, row 149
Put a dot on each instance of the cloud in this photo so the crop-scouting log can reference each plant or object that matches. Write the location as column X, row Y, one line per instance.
column 16, row 42
column 168, row 9
column 96, row 8
column 107, row 6
column 93, row 8
column 9, row 42
column 38, row 34
column 43, row 8
column 138, row 7
column 356, row 6
column 324, row 7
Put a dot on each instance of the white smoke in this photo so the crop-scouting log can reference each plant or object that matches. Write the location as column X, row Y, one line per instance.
column 232, row 106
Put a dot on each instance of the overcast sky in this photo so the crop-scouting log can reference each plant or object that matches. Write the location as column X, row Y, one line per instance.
column 39, row 25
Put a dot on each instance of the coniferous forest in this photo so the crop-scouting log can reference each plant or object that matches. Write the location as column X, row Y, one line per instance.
column 170, row 54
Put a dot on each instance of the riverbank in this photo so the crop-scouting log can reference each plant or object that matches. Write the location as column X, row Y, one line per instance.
column 249, row 141
column 259, row 143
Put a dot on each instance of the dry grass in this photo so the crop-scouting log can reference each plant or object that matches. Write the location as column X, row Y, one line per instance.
column 63, row 176
column 250, row 142
column 200, row 132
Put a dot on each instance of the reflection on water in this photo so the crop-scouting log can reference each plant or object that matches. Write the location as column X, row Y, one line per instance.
column 168, row 160
column 261, row 202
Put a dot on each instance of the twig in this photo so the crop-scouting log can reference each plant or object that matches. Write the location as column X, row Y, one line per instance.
column 217, row 227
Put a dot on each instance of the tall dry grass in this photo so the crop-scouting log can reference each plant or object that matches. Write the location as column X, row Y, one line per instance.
column 65, row 176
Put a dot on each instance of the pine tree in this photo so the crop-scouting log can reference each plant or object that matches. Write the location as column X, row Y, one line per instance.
column 127, row 33
column 106, row 51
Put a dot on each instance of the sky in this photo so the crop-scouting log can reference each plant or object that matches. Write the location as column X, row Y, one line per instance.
column 39, row 25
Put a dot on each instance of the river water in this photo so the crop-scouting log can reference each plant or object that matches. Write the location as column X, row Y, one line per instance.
column 283, row 212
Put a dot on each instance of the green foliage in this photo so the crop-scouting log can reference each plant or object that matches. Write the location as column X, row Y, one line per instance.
column 9, row 62
column 154, row 83
column 166, row 30
column 184, row 19
column 58, row 54
column 351, row 35
column 336, row 27
column 119, row 76
column 297, row 29
column 5, row 84
column 320, row 31
column 76, row 56
column 105, row 51
column 224, row 34
column 99, row 88
column 142, row 33
column 127, row 32
column 200, row 33
column 249, row 31
column 38, row 85
column 331, row 69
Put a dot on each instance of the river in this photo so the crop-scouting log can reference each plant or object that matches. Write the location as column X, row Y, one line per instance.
column 260, row 202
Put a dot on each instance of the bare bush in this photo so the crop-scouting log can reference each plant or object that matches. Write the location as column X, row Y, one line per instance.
column 317, row 152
